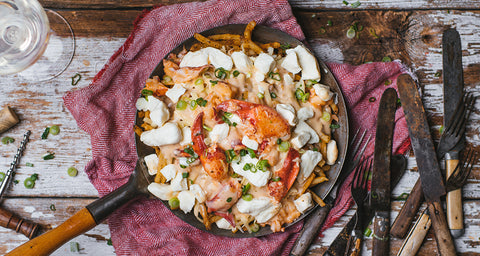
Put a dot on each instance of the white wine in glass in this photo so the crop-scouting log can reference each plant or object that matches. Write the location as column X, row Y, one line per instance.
column 35, row 44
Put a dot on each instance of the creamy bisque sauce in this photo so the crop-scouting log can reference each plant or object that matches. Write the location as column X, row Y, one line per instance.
column 243, row 87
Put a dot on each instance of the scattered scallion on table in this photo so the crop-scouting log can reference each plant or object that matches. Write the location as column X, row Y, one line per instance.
column 72, row 171
column 7, row 140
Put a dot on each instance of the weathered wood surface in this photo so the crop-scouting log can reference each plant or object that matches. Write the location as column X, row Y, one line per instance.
column 411, row 33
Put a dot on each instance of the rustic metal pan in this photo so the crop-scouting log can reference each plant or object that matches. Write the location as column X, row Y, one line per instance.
column 263, row 34
column 99, row 210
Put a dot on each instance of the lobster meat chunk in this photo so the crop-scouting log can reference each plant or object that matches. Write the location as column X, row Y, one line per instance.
column 213, row 158
column 257, row 121
column 287, row 175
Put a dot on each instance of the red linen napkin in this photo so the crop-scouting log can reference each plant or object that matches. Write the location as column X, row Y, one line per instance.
column 106, row 110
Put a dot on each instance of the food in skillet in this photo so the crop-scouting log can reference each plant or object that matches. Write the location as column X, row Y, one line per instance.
column 241, row 131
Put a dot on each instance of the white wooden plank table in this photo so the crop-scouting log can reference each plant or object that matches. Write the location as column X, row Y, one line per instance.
column 407, row 30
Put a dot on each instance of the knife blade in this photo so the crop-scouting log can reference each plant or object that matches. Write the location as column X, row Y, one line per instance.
column 398, row 165
column 430, row 176
column 452, row 96
column 380, row 191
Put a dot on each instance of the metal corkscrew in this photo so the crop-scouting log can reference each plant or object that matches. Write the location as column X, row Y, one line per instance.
column 11, row 171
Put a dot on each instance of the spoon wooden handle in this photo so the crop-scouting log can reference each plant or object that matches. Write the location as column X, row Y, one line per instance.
column 8, row 118
column 10, row 221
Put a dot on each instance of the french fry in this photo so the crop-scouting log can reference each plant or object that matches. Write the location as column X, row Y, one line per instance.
column 207, row 41
column 204, row 214
column 232, row 37
column 138, row 130
column 323, row 137
column 323, row 149
column 274, row 45
column 146, row 127
column 316, row 198
column 159, row 178
column 317, row 181
column 307, row 183
column 247, row 33
column 326, row 168
column 334, row 107
column 252, row 46
column 197, row 46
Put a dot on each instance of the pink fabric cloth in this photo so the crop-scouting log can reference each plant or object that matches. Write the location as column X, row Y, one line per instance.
column 106, row 110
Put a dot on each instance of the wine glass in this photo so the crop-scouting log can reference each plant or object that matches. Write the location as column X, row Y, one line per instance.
column 36, row 44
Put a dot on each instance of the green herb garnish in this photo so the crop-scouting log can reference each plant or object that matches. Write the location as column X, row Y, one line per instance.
column 7, row 140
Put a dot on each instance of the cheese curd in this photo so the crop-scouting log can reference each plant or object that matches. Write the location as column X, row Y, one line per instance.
column 263, row 208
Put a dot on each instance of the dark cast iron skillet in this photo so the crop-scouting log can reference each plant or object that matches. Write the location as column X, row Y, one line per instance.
column 99, row 210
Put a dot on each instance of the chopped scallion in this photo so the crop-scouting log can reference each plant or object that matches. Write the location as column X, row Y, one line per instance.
column 72, row 171
column 174, row 203
column 45, row 133
column 247, row 197
column 146, row 92
column 182, row 105
column 76, row 78
column 199, row 81
column 185, row 174
column 284, row 146
column 236, row 73
column 54, row 129
column 7, row 140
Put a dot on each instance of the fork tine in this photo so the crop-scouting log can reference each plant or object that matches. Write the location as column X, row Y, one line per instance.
column 368, row 169
column 357, row 174
column 359, row 142
column 459, row 127
column 469, row 166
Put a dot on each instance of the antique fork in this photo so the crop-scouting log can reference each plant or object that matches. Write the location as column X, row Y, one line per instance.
column 462, row 171
column 359, row 188
column 314, row 221
column 455, row 129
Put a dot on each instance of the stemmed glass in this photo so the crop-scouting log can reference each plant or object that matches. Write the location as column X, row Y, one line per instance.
column 35, row 43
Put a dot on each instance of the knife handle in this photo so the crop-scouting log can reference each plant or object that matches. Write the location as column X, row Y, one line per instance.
column 381, row 231
column 408, row 212
column 415, row 238
column 454, row 204
column 310, row 230
column 339, row 245
column 445, row 244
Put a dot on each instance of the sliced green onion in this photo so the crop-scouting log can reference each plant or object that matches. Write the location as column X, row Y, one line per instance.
column 7, row 140
column 201, row 102
column 213, row 82
column 260, row 95
column 247, row 197
column 189, row 150
column 334, row 126
column 351, row 32
column 285, row 46
column 167, row 79
column 345, row 2
column 388, row 82
column 243, row 152
column 276, row 179
column 440, row 130
column 403, row 197
column 182, row 105
column 207, row 128
column 438, row 74
column 274, row 76
column 386, row 59
column 245, row 188
column 45, row 133
column 48, row 156
column 185, row 174
column 54, row 129
column 248, row 166
column 255, row 227
column 199, row 81
column 299, row 93
column 236, row 73
column 2, row 176
column 326, row 116
column 273, row 95
column 356, row 4
column 16, row 181
column 263, row 165
column 76, row 78
column 146, row 92
column 72, row 171
column 29, row 183
column 229, row 199
column 109, row 241
column 367, row 232
column 373, row 33
column 372, row 99
column 234, row 175
column 193, row 105
column 174, row 203
column 221, row 73
column 329, row 23
column 284, row 146
column 279, row 141
column 183, row 166
column 322, row 30
column 74, row 247
column 34, row 176
column 52, row 207
column 251, row 153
